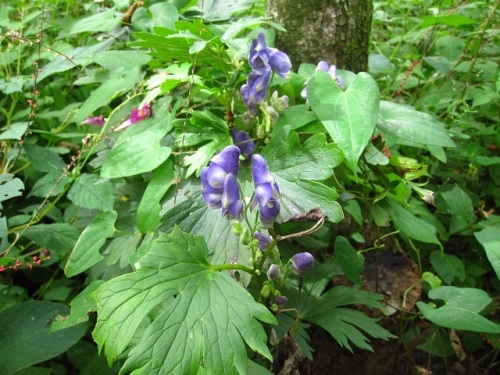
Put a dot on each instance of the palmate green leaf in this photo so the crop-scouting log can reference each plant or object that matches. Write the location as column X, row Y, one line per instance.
column 298, row 168
column 349, row 116
column 460, row 310
column 344, row 324
column 411, row 125
column 208, row 321
column 188, row 210
column 92, row 193
column 86, row 251
column 489, row 237
column 25, row 338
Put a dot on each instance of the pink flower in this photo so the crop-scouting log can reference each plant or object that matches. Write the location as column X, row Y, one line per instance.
column 140, row 113
column 136, row 115
column 98, row 120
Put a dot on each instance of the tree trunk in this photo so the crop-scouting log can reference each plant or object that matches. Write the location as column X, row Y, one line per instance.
column 336, row 31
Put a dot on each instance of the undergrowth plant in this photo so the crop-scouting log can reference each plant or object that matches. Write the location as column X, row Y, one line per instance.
column 175, row 181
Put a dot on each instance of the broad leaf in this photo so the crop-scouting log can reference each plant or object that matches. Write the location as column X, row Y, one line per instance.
column 148, row 212
column 52, row 184
column 10, row 187
column 489, row 237
column 138, row 150
column 461, row 209
column 460, row 310
column 349, row 116
column 91, row 192
column 16, row 131
column 411, row 225
column 447, row 266
column 208, row 321
column 298, row 168
column 81, row 306
column 86, row 251
column 412, row 126
column 44, row 159
column 102, row 21
column 25, row 338
column 58, row 236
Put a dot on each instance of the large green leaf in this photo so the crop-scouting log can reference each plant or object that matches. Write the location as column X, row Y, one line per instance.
column 138, row 150
column 461, row 309
column 44, row 159
column 489, row 237
column 349, row 116
column 86, row 251
column 208, row 321
column 411, row 125
column 102, row 21
column 298, row 168
column 93, row 193
column 25, row 338
column 460, row 208
column 57, row 236
column 187, row 209
column 148, row 212
column 447, row 266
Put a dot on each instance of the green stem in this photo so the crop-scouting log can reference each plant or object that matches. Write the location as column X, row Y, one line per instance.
column 222, row 267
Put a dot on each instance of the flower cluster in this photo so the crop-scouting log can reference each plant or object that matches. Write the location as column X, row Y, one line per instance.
column 136, row 115
column 331, row 70
column 220, row 188
column 263, row 60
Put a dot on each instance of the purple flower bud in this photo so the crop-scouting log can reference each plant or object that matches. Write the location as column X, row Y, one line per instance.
column 98, row 120
column 279, row 62
column 273, row 273
column 281, row 301
column 269, row 212
column 212, row 196
column 301, row 263
column 140, row 113
column 230, row 200
column 243, row 141
column 264, row 240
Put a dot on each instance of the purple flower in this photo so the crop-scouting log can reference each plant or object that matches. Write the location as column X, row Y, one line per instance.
column 264, row 240
column 267, row 191
column 301, row 263
column 140, row 113
column 243, row 141
column 331, row 70
column 254, row 91
column 98, row 120
column 230, row 200
column 218, row 182
column 279, row 61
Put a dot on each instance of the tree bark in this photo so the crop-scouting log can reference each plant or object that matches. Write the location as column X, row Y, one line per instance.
column 336, row 31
